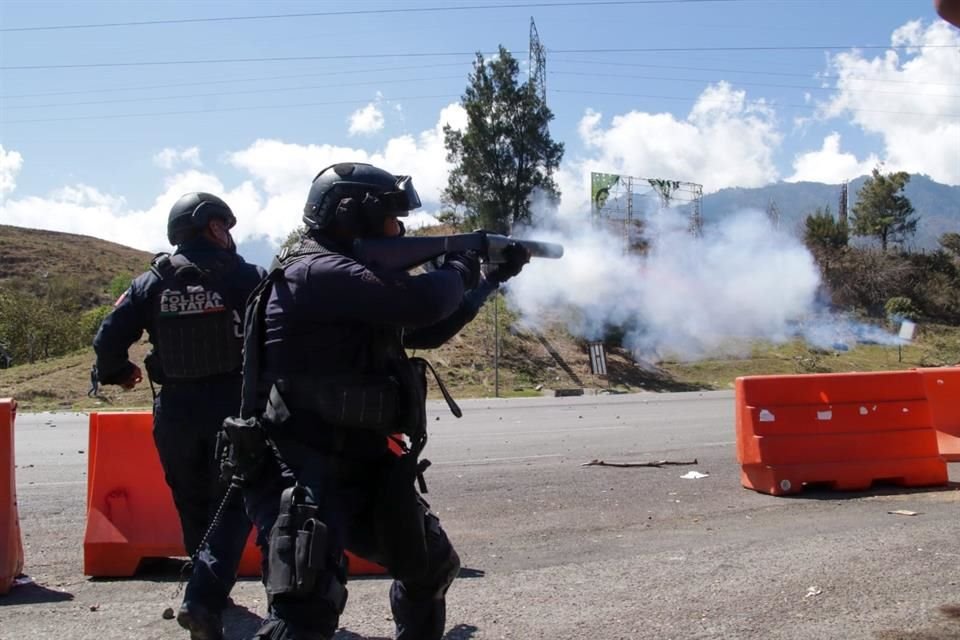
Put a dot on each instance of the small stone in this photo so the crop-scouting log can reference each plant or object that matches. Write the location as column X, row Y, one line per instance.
column 167, row 613
column 94, row 607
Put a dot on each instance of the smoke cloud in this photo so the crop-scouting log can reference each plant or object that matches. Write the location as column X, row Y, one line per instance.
column 688, row 297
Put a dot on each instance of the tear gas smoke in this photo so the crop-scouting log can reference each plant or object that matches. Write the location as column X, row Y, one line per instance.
column 689, row 297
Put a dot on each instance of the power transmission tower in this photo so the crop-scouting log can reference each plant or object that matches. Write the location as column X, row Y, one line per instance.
column 538, row 63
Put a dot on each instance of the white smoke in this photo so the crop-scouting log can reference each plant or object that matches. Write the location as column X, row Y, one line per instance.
column 690, row 296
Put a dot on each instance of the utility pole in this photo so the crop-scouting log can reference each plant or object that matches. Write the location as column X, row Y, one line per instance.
column 842, row 209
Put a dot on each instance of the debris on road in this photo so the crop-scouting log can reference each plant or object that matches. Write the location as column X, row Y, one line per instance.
column 694, row 475
column 813, row 591
column 903, row 512
column 167, row 613
column 654, row 463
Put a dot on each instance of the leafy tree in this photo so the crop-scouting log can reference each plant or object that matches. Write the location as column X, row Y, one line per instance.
column 33, row 328
column 951, row 242
column 824, row 232
column 882, row 211
column 90, row 321
column 901, row 308
column 293, row 237
column 505, row 152
column 118, row 285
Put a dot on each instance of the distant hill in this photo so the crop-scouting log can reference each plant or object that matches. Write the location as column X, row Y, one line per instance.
column 29, row 254
column 937, row 205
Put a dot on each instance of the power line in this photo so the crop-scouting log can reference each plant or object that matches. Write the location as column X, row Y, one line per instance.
column 428, row 97
column 775, row 105
column 156, row 63
column 232, row 93
column 425, row 79
column 360, row 12
column 359, row 56
column 750, row 72
column 227, row 109
column 231, row 81
column 747, row 83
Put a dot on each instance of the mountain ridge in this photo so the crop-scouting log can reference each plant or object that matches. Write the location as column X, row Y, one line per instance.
column 937, row 205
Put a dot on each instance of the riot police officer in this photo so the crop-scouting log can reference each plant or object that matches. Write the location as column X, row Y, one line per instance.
column 326, row 367
column 191, row 304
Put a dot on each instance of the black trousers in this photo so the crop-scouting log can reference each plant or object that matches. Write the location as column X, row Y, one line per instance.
column 187, row 419
column 350, row 493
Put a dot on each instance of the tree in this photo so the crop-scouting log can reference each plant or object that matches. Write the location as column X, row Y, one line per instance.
column 824, row 232
column 882, row 211
column 951, row 242
column 505, row 152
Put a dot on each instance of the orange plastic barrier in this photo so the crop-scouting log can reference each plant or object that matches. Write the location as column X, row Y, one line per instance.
column 11, row 545
column 942, row 387
column 846, row 430
column 130, row 511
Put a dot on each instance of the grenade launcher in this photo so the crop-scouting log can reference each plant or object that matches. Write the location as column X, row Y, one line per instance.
column 397, row 254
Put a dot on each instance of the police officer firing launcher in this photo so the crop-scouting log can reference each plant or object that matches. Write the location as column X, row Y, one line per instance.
column 191, row 305
column 326, row 382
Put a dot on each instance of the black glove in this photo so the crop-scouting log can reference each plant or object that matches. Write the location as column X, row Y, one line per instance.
column 467, row 264
column 517, row 255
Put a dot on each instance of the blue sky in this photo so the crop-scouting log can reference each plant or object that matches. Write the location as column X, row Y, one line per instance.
column 740, row 93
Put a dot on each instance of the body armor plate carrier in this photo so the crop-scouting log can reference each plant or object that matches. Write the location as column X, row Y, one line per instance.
column 198, row 334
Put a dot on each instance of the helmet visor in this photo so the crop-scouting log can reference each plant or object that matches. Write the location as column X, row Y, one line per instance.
column 213, row 210
column 402, row 199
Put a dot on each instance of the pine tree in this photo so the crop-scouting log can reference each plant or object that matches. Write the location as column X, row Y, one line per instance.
column 505, row 153
column 882, row 211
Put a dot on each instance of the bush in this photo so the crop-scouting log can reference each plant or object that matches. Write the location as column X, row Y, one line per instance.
column 901, row 307
column 90, row 322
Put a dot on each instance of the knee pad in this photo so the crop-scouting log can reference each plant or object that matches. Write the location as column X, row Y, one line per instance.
column 301, row 563
column 441, row 568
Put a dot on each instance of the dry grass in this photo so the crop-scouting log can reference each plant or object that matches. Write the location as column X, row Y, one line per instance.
column 530, row 362
column 29, row 255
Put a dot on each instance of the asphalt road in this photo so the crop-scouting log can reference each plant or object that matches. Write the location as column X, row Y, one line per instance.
column 556, row 550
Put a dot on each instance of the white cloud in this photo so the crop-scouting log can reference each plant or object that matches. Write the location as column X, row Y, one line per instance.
column 366, row 121
column 909, row 98
column 85, row 210
column 282, row 171
column 170, row 158
column 829, row 164
column 10, row 164
column 726, row 140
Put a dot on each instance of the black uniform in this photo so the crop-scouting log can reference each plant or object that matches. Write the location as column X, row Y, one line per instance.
column 191, row 305
column 333, row 363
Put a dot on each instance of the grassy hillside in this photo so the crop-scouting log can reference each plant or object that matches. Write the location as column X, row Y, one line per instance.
column 30, row 254
column 531, row 363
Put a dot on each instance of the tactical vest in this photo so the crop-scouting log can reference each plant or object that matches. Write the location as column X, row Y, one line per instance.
column 385, row 391
column 198, row 334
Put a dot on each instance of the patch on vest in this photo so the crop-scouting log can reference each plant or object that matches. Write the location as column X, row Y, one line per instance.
column 195, row 300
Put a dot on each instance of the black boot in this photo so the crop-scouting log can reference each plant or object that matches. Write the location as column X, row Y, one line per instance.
column 202, row 623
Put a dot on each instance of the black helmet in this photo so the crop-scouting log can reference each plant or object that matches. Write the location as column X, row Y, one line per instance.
column 191, row 213
column 359, row 196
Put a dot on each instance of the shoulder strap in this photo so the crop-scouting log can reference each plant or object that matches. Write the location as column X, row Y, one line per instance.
column 255, row 314
column 160, row 266
column 253, row 319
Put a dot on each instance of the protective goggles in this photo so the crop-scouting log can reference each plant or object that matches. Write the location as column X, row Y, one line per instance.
column 206, row 210
column 402, row 199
